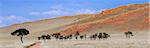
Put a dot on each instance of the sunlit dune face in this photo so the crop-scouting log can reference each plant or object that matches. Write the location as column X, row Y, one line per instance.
column 132, row 20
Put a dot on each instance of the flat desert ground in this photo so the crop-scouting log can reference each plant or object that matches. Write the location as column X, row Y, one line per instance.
column 117, row 40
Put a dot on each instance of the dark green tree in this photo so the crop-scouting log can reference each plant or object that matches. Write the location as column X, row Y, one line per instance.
column 20, row 32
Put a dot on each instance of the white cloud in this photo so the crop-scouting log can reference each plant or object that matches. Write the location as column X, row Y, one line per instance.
column 64, row 12
column 85, row 11
column 52, row 12
column 12, row 19
column 48, row 13
column 61, row 10
column 16, row 18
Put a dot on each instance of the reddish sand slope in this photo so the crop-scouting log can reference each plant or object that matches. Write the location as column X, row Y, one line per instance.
column 134, row 20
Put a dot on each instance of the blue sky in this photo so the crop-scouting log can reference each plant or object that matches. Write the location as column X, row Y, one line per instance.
column 19, row 11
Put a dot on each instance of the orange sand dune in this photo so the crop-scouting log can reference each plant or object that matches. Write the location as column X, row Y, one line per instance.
column 132, row 17
column 134, row 20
